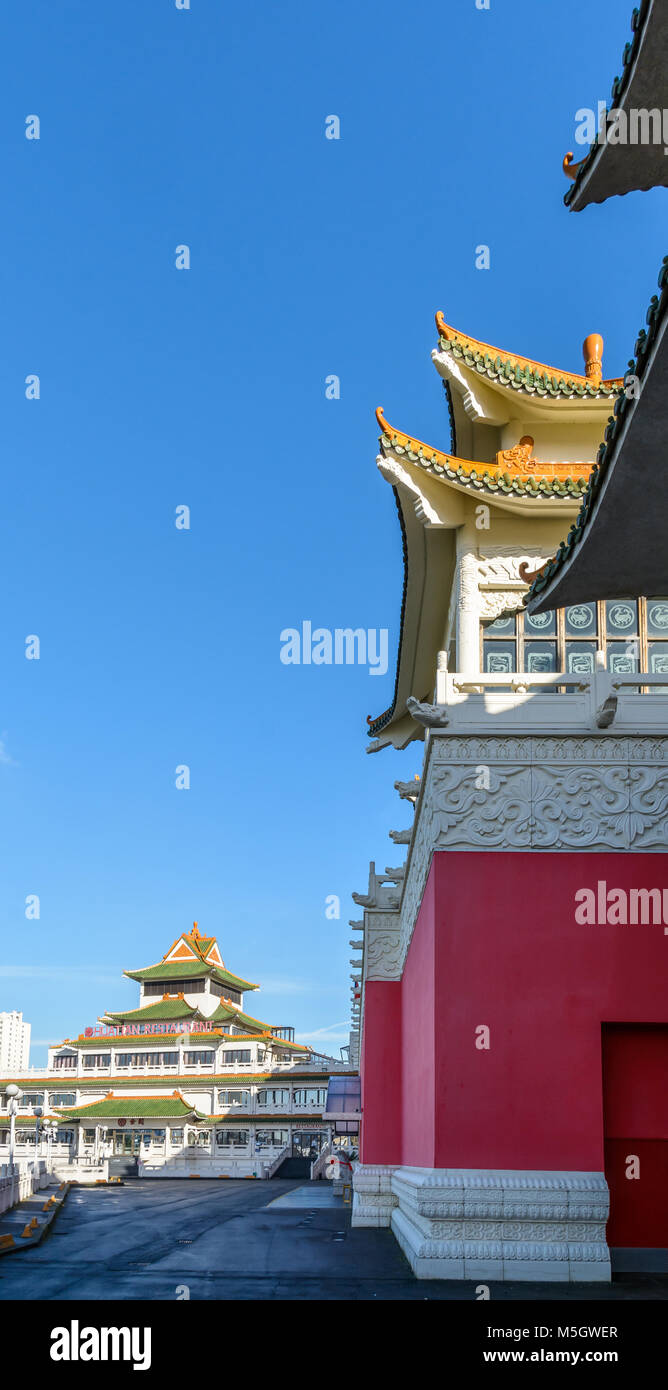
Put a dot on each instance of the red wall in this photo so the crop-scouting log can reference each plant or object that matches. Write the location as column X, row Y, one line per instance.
column 380, row 1137
column 496, row 943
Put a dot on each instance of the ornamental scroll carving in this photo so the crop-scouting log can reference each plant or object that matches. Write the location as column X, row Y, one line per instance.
column 382, row 947
column 502, row 588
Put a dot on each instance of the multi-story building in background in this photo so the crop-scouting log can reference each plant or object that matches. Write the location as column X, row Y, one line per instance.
column 187, row 1084
column 14, row 1041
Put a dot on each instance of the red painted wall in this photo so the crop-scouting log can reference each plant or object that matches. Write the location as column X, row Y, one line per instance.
column 380, row 1069
column 420, row 1030
column 496, row 943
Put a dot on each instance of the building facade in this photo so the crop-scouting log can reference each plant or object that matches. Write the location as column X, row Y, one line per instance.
column 513, row 973
column 187, row 1084
column 14, row 1042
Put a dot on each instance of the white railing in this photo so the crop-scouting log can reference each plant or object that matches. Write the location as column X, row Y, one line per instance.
column 22, row 1181
column 554, row 702
column 274, row 1164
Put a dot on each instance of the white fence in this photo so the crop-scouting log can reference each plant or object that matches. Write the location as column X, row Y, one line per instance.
column 26, row 1178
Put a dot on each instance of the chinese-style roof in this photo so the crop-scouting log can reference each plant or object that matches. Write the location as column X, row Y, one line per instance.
column 520, row 373
column 616, row 548
column 227, row 1013
column 515, row 475
column 169, row 1008
column 135, row 1107
column 187, row 956
column 615, row 166
column 190, row 970
column 514, row 471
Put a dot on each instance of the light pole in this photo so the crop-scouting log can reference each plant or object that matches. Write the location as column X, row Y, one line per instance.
column 12, row 1092
column 51, row 1127
column 38, row 1111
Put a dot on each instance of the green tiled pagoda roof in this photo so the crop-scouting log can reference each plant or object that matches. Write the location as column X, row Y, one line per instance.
column 162, row 1009
column 623, row 406
column 134, row 1107
column 225, row 1012
column 190, row 970
column 130, row 1041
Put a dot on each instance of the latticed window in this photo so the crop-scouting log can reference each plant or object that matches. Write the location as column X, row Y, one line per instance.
column 232, row 1138
column 633, row 633
column 96, row 1059
column 236, row 1098
column 66, row 1062
column 273, row 1097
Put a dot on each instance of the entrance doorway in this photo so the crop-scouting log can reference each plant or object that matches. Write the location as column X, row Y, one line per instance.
column 635, row 1109
column 308, row 1144
column 127, row 1144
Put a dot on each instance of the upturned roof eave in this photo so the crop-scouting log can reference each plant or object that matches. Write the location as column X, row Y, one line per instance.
column 613, row 170
column 616, row 548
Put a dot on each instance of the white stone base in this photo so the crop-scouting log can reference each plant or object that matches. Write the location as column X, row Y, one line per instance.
column 456, row 1223
column 373, row 1198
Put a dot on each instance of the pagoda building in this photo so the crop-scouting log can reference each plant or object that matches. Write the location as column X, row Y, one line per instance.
column 185, row 1085
column 510, row 1000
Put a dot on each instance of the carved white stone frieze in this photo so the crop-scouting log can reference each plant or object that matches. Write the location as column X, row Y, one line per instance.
column 510, row 792
column 507, row 1225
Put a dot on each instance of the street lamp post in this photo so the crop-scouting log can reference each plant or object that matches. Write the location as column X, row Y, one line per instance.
column 51, row 1127
column 12, row 1092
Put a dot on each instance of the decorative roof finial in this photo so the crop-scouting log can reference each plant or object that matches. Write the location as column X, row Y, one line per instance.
column 592, row 351
column 194, row 930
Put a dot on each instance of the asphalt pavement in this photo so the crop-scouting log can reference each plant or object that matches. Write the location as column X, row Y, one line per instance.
column 170, row 1239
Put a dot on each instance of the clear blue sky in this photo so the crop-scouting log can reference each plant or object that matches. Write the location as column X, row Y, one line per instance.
column 207, row 387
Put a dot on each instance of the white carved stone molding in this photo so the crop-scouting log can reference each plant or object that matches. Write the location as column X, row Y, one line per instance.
column 383, row 947
column 511, row 792
column 496, row 1224
column 502, row 588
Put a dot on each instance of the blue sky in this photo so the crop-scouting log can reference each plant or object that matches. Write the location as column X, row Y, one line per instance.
column 206, row 387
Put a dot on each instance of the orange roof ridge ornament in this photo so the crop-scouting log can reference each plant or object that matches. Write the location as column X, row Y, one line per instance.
column 570, row 169
column 476, row 345
column 592, row 351
column 520, row 456
column 526, row 575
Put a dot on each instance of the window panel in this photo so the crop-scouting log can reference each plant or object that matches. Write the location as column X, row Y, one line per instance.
column 581, row 658
column 623, row 657
column 657, row 617
column 621, row 617
column 581, row 620
column 540, row 657
column 499, row 657
column 658, row 658
column 540, row 624
column 501, row 627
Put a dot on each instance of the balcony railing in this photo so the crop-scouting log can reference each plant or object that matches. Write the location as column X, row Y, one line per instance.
column 554, row 701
